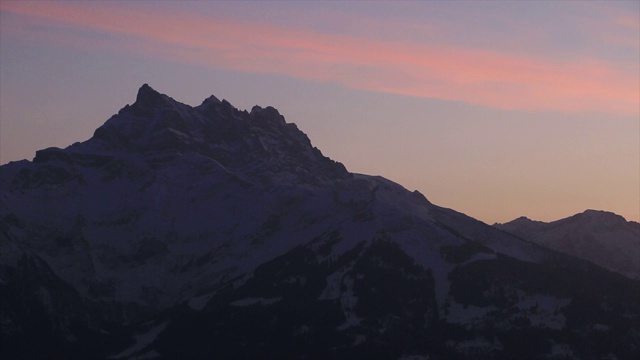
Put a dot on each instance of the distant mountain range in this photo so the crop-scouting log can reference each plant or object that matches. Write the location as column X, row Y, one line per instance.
column 181, row 232
column 602, row 237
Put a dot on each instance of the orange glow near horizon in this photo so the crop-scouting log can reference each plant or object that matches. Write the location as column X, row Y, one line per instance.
column 481, row 77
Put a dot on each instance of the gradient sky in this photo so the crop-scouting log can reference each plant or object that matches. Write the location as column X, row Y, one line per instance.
column 496, row 109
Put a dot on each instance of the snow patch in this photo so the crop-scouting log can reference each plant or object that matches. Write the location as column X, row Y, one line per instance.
column 359, row 340
column 481, row 256
column 561, row 350
column 468, row 314
column 199, row 302
column 415, row 357
column 334, row 282
column 544, row 311
column 477, row 345
column 141, row 341
column 256, row 301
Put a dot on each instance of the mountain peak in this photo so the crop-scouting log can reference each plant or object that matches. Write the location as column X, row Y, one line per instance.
column 599, row 213
column 268, row 114
column 602, row 237
column 601, row 217
column 261, row 141
column 520, row 221
column 148, row 96
column 210, row 100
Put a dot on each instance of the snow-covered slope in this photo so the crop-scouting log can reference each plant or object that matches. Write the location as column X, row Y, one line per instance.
column 199, row 232
column 602, row 237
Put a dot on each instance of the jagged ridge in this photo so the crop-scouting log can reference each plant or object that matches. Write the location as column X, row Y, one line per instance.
column 260, row 142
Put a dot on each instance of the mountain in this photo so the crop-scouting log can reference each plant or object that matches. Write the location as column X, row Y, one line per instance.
column 602, row 237
column 209, row 232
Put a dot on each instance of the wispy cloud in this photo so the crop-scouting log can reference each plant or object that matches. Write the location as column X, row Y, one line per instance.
column 490, row 78
column 630, row 22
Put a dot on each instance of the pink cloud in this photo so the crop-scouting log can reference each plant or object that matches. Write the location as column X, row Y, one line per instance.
column 631, row 22
column 488, row 78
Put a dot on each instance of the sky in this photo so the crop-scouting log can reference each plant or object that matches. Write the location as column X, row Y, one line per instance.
column 497, row 109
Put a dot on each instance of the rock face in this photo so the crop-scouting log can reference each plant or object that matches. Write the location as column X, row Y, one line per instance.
column 209, row 232
column 602, row 237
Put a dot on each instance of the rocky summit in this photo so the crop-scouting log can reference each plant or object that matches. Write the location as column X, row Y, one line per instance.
column 180, row 232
